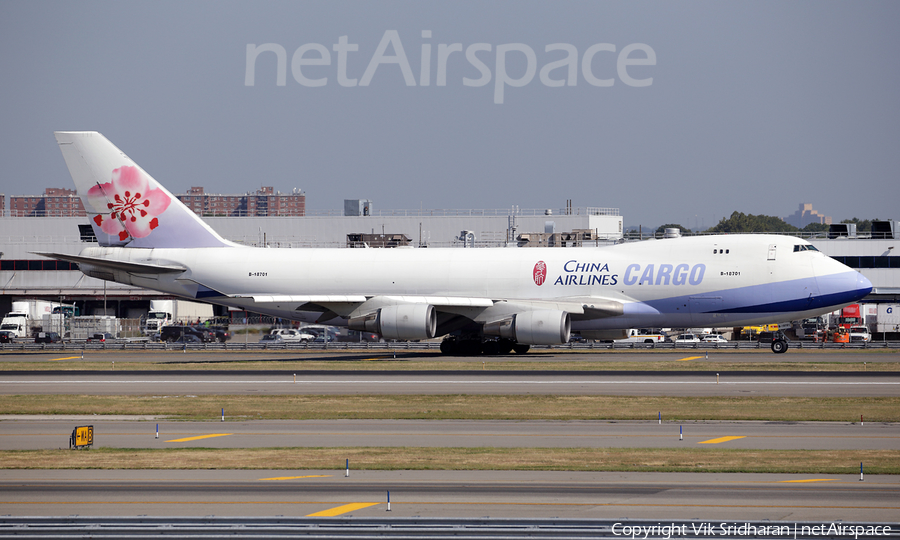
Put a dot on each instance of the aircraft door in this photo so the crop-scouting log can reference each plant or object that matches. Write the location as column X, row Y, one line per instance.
column 772, row 252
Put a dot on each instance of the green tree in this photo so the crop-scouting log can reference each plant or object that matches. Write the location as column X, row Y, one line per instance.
column 740, row 223
column 815, row 227
column 864, row 225
column 662, row 229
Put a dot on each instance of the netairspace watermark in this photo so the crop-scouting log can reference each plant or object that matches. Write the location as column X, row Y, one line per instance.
column 739, row 530
column 559, row 67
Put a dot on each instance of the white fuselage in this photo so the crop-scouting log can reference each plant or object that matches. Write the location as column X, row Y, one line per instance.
column 682, row 282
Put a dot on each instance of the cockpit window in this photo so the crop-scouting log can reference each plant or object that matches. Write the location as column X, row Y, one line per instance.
column 804, row 248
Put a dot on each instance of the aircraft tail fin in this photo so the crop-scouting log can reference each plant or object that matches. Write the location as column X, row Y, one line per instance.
column 126, row 206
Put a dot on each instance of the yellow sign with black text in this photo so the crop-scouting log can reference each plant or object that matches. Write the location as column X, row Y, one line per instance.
column 83, row 436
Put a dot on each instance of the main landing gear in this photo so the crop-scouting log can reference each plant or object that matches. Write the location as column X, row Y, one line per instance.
column 454, row 346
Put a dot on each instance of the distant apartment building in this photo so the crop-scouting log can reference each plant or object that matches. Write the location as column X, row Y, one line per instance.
column 806, row 215
column 264, row 202
column 2, row 205
column 55, row 202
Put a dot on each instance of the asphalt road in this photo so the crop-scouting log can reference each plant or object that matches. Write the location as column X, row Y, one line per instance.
column 34, row 433
column 451, row 494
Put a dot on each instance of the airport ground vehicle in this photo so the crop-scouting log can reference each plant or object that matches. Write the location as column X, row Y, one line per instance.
column 168, row 312
column 26, row 317
column 860, row 334
column 713, row 338
column 643, row 335
column 6, row 336
column 272, row 339
column 850, row 316
column 841, row 335
column 888, row 318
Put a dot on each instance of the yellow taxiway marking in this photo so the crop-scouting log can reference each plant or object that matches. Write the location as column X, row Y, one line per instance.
column 66, row 358
column 721, row 440
column 297, row 477
column 341, row 510
column 807, row 480
column 198, row 437
column 690, row 358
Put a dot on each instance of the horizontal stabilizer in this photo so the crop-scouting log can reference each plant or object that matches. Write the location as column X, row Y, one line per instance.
column 109, row 264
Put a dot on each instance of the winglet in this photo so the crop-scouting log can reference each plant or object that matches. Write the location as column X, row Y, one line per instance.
column 126, row 206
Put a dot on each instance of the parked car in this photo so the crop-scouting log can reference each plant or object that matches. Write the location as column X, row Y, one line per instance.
column 714, row 338
column 293, row 335
column 99, row 338
column 222, row 333
column 272, row 339
column 687, row 338
column 187, row 338
column 47, row 337
column 172, row 333
column 6, row 336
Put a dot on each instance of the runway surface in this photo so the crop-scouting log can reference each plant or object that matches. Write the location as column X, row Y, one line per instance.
column 35, row 433
column 452, row 494
column 853, row 356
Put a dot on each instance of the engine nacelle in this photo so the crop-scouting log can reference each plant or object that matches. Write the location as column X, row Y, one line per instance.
column 545, row 327
column 406, row 321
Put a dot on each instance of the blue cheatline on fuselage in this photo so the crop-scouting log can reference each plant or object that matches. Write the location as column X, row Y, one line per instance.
column 832, row 291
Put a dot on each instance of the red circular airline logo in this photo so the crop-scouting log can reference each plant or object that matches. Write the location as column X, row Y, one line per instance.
column 539, row 273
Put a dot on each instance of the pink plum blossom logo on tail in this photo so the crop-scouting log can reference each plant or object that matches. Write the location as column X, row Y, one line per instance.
column 539, row 273
column 132, row 206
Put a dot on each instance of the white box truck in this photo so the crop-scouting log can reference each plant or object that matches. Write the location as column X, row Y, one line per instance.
column 167, row 312
column 888, row 318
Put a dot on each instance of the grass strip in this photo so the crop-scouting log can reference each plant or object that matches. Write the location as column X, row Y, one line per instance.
column 462, row 407
column 831, row 462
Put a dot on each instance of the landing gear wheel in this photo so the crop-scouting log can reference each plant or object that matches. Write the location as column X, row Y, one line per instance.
column 779, row 347
column 449, row 347
column 490, row 347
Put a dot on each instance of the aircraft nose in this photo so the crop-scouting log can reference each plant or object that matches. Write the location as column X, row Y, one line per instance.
column 863, row 285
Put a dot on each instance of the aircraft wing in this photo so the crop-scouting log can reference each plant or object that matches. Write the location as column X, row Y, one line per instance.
column 479, row 309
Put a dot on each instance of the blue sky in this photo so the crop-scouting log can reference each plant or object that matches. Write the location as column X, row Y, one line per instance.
column 749, row 106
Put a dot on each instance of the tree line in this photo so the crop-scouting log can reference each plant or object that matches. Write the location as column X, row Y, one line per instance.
column 740, row 222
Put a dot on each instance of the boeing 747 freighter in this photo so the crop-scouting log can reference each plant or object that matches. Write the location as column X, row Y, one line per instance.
column 493, row 299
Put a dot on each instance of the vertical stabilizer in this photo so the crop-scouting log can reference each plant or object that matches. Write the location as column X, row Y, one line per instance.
column 126, row 206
